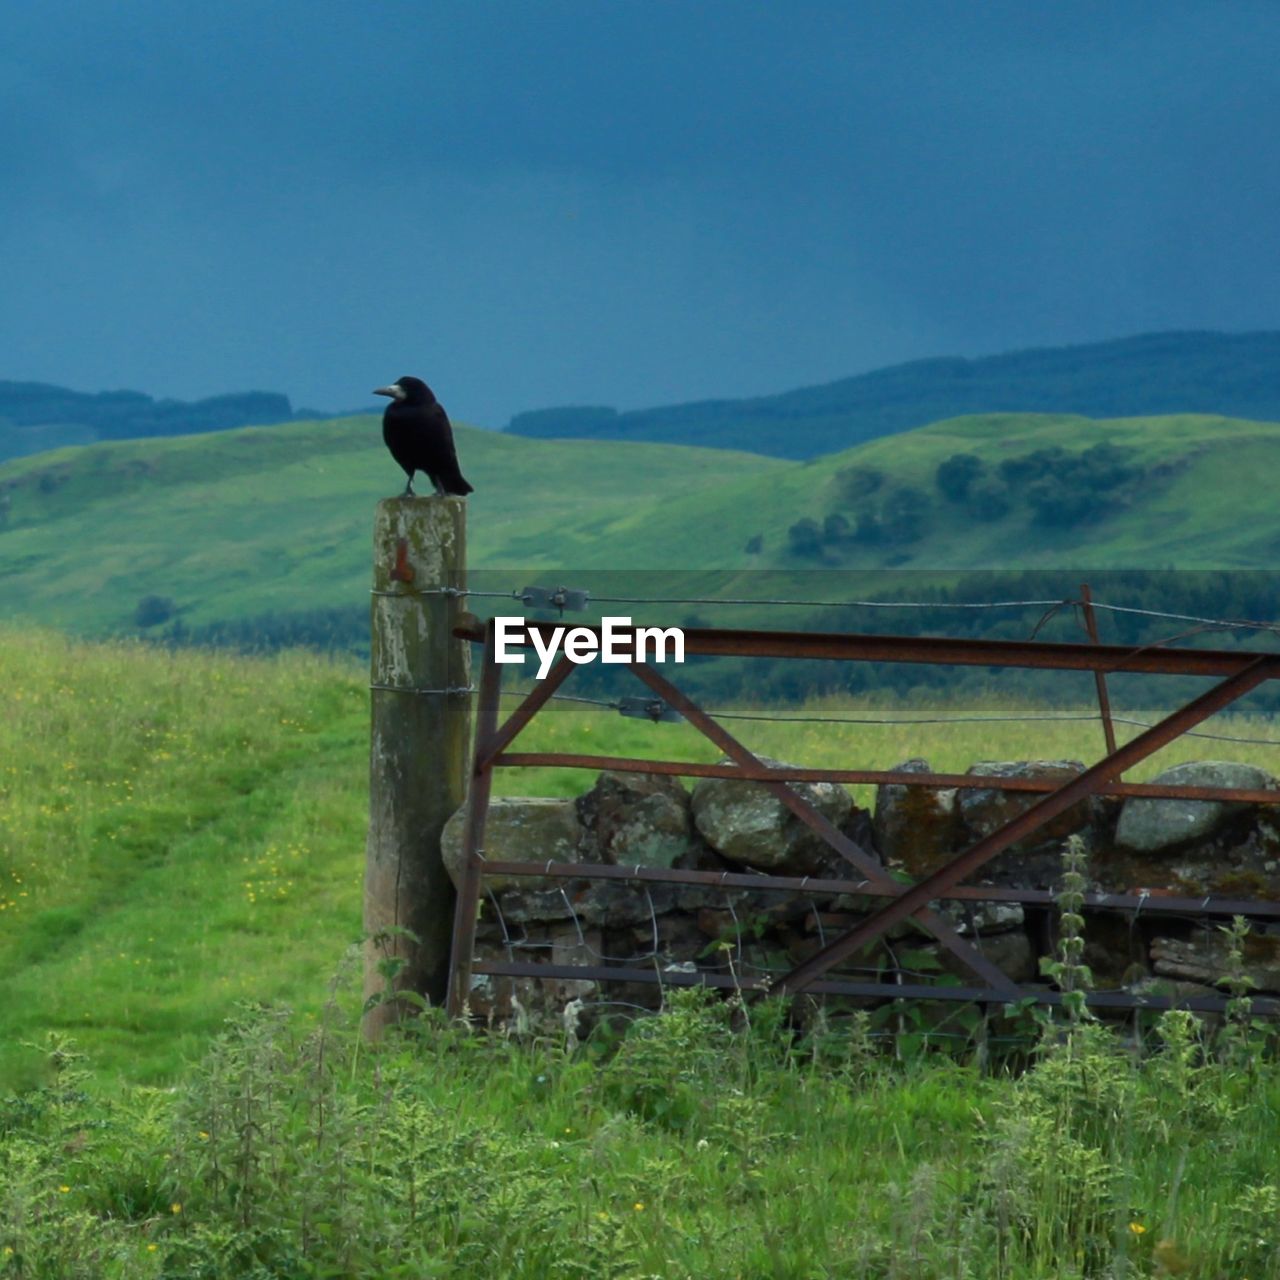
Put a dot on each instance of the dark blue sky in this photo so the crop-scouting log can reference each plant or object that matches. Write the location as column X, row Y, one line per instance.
column 606, row 201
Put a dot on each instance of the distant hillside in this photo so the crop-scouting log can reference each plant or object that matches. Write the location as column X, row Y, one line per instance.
column 35, row 416
column 265, row 532
column 274, row 523
column 1234, row 375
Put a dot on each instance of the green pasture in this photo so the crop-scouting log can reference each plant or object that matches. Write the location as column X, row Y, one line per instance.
column 180, row 830
column 181, row 847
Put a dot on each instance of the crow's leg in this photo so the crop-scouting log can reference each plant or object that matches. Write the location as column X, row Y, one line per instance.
column 408, row 488
column 441, row 491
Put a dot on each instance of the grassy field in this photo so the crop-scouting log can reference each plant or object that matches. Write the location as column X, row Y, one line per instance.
column 276, row 520
column 180, row 830
column 181, row 846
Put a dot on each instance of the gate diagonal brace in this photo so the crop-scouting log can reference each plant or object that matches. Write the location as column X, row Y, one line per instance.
column 1031, row 819
column 927, row 919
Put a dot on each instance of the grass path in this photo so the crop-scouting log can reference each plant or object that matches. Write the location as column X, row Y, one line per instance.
column 177, row 831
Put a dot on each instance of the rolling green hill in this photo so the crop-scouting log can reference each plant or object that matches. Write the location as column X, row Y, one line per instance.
column 1156, row 373
column 276, row 521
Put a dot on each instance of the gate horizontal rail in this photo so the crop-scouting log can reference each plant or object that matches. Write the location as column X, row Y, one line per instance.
column 916, row 902
column 842, row 646
column 963, row 781
column 1147, row 903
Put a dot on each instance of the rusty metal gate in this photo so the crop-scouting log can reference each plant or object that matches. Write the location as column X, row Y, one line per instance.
column 1238, row 672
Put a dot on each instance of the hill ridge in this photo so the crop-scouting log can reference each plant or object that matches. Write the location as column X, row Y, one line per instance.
column 1234, row 375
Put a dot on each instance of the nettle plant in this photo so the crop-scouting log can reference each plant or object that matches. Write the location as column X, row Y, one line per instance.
column 1067, row 968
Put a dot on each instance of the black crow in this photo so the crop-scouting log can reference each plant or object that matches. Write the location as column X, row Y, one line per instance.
column 417, row 431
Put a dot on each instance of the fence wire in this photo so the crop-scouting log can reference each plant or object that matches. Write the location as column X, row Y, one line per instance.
column 906, row 721
column 519, row 595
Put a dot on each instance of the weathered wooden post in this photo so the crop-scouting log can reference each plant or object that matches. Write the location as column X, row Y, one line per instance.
column 419, row 742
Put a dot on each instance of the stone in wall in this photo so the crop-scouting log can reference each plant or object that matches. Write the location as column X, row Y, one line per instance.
column 983, row 811
column 973, row 918
column 915, row 827
column 536, row 1003
column 1010, row 951
column 638, row 819
column 1203, row 958
column 520, row 830
column 1159, row 826
column 1196, row 847
column 747, row 823
column 728, row 825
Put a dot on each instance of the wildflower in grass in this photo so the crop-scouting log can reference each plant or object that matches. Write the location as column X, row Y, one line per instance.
column 1137, row 1228
column 639, row 1206
column 64, row 1189
column 175, row 1207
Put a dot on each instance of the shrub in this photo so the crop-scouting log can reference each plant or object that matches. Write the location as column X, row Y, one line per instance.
column 989, row 501
column 805, row 537
column 854, row 484
column 151, row 611
column 955, row 476
column 904, row 515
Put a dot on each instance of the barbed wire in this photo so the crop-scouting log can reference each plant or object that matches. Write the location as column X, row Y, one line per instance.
column 1239, row 623
column 906, row 721
column 519, row 594
column 833, row 604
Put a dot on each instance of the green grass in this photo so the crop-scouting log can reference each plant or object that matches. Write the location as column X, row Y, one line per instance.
column 179, row 830
column 181, row 838
column 176, row 831
column 277, row 520
column 689, row 1149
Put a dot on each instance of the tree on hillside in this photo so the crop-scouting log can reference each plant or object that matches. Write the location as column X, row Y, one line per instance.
column 151, row 611
column 989, row 501
column 854, row 484
column 869, row 530
column 1027, row 467
column 957, row 474
column 904, row 515
column 835, row 528
column 805, row 537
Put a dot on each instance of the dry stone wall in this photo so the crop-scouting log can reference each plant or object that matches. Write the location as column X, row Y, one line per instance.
column 1157, row 846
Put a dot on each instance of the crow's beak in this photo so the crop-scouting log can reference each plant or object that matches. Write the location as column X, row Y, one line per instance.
column 393, row 392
